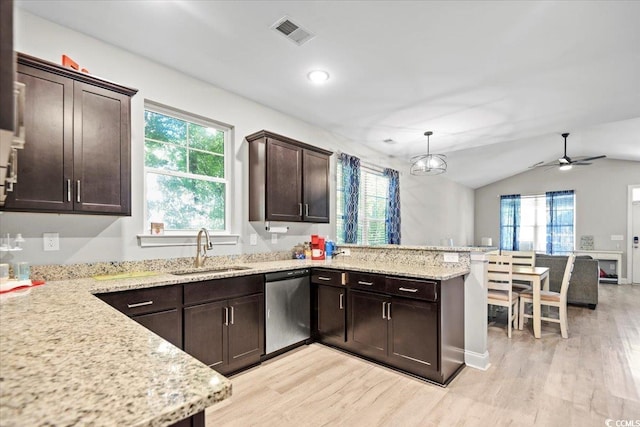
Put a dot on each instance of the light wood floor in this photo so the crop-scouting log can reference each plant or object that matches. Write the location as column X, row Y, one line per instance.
column 581, row 381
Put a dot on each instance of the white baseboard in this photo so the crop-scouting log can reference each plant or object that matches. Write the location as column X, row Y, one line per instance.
column 477, row 360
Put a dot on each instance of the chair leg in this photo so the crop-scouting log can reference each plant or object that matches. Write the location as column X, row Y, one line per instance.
column 509, row 320
column 563, row 321
column 521, row 316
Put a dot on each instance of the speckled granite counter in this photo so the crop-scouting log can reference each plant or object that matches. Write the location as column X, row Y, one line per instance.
column 67, row 358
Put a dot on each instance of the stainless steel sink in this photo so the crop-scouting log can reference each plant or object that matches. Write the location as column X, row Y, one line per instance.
column 210, row 270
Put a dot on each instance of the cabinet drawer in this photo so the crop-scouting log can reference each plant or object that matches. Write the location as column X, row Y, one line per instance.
column 327, row 277
column 231, row 287
column 412, row 288
column 371, row 282
column 142, row 301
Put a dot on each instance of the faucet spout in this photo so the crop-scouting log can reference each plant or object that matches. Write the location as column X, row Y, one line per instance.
column 201, row 250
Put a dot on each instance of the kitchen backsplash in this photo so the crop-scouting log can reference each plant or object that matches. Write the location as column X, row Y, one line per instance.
column 75, row 271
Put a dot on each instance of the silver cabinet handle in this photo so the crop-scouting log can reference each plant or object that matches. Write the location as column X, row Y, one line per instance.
column 299, row 209
column 412, row 290
column 360, row 282
column 384, row 310
column 226, row 316
column 78, row 191
column 139, row 304
column 388, row 311
column 326, row 279
column 341, row 301
column 68, row 190
column 306, row 208
column 232, row 311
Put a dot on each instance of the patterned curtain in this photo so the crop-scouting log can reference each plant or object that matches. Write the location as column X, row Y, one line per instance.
column 560, row 214
column 392, row 216
column 509, row 222
column 351, row 185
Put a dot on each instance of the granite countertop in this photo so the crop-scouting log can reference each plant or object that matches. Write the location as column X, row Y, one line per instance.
column 68, row 358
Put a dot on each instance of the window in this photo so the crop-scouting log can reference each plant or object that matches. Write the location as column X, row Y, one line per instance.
column 542, row 223
column 186, row 173
column 372, row 207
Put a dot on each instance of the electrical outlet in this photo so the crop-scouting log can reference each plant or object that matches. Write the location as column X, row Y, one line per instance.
column 274, row 238
column 253, row 239
column 51, row 241
column 450, row 257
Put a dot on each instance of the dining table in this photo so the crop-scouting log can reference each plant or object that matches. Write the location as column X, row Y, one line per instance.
column 539, row 278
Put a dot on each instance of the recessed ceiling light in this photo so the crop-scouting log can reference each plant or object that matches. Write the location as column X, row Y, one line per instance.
column 318, row 76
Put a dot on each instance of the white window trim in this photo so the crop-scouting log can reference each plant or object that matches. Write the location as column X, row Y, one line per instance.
column 188, row 237
column 184, row 238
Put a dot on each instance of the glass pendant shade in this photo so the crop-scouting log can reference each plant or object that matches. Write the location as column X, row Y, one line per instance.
column 428, row 164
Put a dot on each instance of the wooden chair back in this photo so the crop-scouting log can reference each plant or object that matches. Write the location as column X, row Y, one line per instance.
column 568, row 270
column 499, row 273
column 522, row 258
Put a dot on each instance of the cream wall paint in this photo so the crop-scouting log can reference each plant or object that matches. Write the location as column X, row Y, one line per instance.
column 601, row 200
column 432, row 209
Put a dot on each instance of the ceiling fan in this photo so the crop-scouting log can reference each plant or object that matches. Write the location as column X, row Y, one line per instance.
column 565, row 162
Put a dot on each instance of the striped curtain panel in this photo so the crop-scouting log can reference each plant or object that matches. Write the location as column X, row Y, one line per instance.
column 560, row 214
column 510, row 222
column 392, row 216
column 351, row 185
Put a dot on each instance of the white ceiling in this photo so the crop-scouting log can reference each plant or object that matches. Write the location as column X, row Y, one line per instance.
column 497, row 82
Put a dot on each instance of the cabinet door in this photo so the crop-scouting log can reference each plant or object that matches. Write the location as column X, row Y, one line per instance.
column 246, row 331
column 167, row 324
column 205, row 333
column 368, row 324
column 283, row 182
column 101, row 150
column 413, row 335
column 7, row 68
column 45, row 167
column 331, row 314
column 315, row 187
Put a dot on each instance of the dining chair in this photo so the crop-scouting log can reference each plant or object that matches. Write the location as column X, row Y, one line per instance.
column 499, row 288
column 525, row 259
column 551, row 299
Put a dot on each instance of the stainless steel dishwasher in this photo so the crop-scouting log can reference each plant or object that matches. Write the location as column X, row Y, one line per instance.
column 288, row 309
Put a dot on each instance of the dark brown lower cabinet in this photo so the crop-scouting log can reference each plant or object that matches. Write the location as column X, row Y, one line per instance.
column 226, row 335
column 158, row 309
column 167, row 324
column 196, row 420
column 414, row 325
column 368, row 324
column 413, row 335
column 331, row 314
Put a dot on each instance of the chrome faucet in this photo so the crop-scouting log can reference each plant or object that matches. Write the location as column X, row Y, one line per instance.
column 201, row 250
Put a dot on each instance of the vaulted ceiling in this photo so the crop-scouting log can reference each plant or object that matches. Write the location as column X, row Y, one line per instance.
column 497, row 82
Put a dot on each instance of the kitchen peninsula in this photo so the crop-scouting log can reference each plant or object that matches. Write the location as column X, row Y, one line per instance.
column 67, row 356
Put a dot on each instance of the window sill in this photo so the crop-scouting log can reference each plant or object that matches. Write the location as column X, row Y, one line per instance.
column 183, row 239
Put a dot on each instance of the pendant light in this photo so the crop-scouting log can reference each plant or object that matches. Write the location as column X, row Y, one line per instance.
column 428, row 164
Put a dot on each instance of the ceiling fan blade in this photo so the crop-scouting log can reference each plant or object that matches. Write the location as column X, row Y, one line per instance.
column 580, row 164
column 592, row 158
column 536, row 165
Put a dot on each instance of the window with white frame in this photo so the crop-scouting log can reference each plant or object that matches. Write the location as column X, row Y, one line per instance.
column 372, row 207
column 542, row 223
column 186, row 170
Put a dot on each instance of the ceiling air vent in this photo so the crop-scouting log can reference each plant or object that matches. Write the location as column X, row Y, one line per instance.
column 292, row 31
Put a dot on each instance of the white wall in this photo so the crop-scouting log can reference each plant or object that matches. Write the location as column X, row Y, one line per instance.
column 601, row 200
column 432, row 209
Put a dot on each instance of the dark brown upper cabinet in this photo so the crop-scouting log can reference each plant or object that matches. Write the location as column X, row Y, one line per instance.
column 7, row 66
column 77, row 156
column 288, row 179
